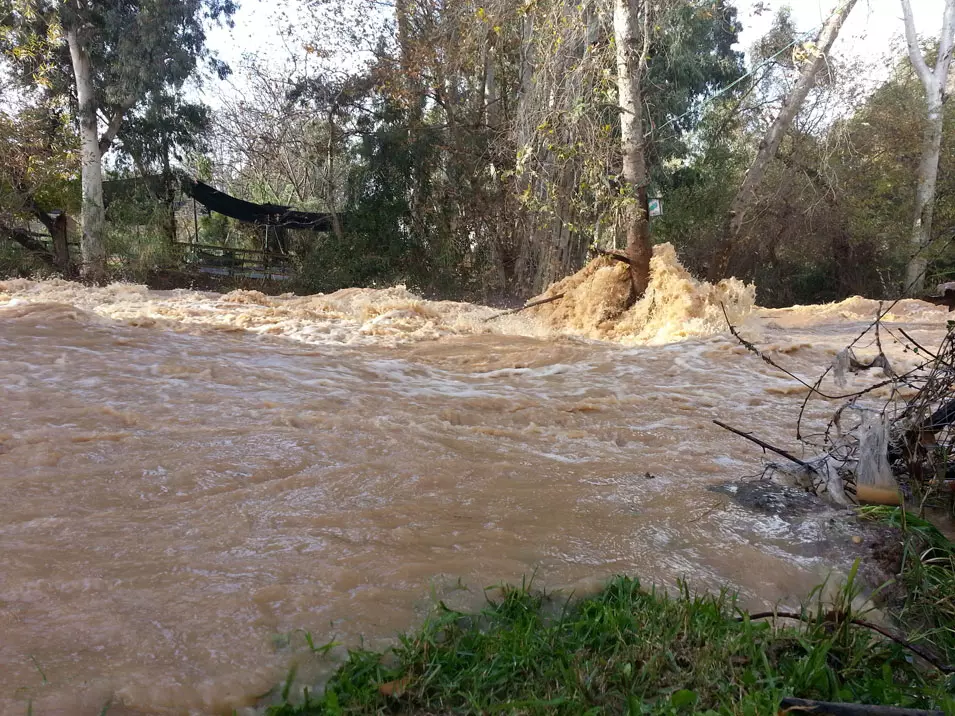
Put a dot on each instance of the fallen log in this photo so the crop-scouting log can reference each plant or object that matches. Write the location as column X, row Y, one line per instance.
column 28, row 242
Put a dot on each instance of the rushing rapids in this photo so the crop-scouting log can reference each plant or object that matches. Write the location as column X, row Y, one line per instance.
column 186, row 476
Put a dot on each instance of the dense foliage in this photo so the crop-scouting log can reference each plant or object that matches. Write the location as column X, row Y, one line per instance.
column 473, row 150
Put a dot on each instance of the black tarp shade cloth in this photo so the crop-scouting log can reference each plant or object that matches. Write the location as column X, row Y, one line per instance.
column 263, row 214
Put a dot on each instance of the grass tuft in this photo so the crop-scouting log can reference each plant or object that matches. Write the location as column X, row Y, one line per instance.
column 626, row 650
column 638, row 651
column 927, row 575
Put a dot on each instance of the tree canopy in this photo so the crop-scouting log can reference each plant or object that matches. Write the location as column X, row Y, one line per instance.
column 475, row 147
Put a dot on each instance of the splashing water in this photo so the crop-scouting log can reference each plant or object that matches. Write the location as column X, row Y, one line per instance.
column 189, row 478
column 675, row 306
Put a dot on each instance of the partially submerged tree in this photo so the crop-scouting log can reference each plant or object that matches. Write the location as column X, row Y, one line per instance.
column 571, row 153
column 511, row 114
column 746, row 196
column 934, row 80
column 632, row 39
column 120, row 53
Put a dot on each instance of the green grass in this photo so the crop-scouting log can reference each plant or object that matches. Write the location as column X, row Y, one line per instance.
column 927, row 611
column 626, row 650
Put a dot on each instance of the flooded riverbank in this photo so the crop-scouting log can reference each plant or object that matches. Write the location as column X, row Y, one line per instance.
column 187, row 475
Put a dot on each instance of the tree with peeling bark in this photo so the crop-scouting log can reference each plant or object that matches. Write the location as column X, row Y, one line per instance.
column 631, row 38
column 746, row 197
column 109, row 57
column 935, row 81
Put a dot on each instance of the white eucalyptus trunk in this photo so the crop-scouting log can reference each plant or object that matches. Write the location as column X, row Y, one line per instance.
column 631, row 60
column 746, row 198
column 935, row 81
column 92, row 243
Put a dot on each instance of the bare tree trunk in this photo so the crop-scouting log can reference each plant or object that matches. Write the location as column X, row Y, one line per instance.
column 61, row 246
column 403, row 21
column 530, row 249
column 92, row 243
column 330, row 178
column 631, row 62
column 935, row 82
column 414, row 98
column 492, row 104
column 58, row 232
column 746, row 196
column 169, row 194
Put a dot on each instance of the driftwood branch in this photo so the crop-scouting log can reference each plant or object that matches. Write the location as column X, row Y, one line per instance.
column 837, row 616
column 804, row 706
column 614, row 254
column 766, row 446
column 539, row 302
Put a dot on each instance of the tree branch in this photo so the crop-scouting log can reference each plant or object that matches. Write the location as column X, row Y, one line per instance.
column 838, row 617
column 804, row 707
column 912, row 41
column 114, row 123
column 539, row 302
column 766, row 446
column 26, row 240
column 945, row 43
column 614, row 254
column 43, row 217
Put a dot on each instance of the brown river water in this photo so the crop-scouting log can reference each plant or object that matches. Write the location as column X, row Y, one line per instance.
column 187, row 477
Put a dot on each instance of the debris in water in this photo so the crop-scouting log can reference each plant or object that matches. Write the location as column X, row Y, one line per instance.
column 880, row 456
column 875, row 482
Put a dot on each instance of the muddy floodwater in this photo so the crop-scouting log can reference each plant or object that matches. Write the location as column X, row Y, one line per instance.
column 188, row 478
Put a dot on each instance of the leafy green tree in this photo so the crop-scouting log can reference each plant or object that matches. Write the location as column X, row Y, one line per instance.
column 569, row 127
column 37, row 160
column 111, row 57
column 745, row 199
column 879, row 170
column 833, row 215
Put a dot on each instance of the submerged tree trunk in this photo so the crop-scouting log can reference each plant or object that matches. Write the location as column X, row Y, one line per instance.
column 92, row 243
column 935, row 83
column 631, row 62
column 745, row 198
